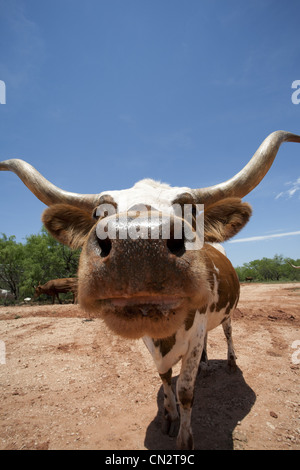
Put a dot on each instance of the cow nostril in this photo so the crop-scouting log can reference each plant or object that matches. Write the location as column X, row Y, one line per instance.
column 176, row 246
column 105, row 246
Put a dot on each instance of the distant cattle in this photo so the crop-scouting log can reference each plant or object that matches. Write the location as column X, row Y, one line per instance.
column 58, row 286
column 3, row 293
column 249, row 278
column 6, row 295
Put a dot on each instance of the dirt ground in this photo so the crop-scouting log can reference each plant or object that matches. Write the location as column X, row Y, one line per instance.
column 68, row 383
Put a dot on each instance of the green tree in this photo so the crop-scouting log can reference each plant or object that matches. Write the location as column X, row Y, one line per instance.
column 47, row 259
column 11, row 264
column 40, row 259
column 269, row 269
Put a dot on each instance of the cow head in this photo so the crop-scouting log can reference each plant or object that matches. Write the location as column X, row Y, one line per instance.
column 37, row 291
column 147, row 285
column 142, row 285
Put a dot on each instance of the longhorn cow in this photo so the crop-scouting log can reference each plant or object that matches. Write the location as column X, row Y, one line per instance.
column 6, row 295
column 157, row 287
column 56, row 287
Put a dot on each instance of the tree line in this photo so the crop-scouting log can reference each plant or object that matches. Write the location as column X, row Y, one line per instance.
column 41, row 258
column 270, row 269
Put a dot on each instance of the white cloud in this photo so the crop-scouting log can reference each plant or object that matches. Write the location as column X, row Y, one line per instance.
column 294, row 187
column 265, row 237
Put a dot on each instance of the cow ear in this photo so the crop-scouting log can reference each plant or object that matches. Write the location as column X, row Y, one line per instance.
column 225, row 218
column 68, row 224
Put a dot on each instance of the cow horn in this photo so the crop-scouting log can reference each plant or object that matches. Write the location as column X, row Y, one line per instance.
column 294, row 266
column 237, row 186
column 251, row 175
column 45, row 191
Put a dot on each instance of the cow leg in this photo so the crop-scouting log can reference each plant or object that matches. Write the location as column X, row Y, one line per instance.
column 170, row 423
column 58, row 298
column 171, row 419
column 231, row 357
column 186, row 384
column 204, row 357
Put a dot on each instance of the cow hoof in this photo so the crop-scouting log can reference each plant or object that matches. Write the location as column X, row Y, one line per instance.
column 169, row 426
column 185, row 442
column 204, row 369
column 231, row 366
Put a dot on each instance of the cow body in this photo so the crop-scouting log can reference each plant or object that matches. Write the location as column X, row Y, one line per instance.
column 6, row 295
column 189, row 345
column 56, row 287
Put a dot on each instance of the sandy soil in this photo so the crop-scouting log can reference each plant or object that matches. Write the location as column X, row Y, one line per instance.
column 69, row 383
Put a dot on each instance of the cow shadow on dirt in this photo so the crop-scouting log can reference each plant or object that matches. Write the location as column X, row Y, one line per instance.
column 221, row 401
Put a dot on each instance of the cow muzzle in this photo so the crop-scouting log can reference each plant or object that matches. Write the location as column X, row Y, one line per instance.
column 140, row 273
column 127, row 231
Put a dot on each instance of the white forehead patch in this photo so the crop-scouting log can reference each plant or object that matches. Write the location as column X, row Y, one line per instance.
column 148, row 192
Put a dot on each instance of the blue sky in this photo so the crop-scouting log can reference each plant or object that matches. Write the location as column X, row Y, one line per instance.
column 100, row 94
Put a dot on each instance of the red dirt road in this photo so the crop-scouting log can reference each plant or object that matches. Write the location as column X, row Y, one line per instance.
column 70, row 384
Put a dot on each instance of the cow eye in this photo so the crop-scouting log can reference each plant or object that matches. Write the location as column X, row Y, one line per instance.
column 94, row 215
column 184, row 198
